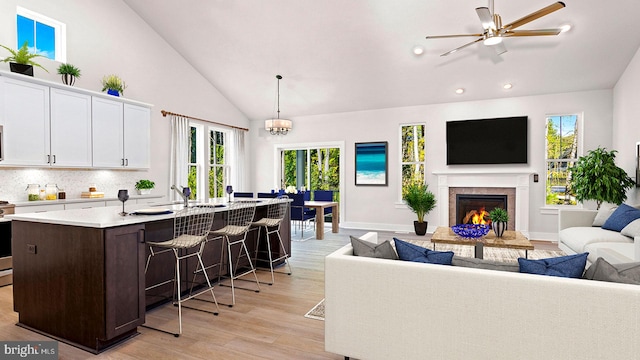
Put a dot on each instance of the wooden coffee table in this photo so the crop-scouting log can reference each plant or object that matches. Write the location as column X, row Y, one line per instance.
column 510, row 239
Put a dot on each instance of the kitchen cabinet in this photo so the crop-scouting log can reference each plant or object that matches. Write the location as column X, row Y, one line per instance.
column 70, row 129
column 24, row 115
column 50, row 124
column 121, row 134
column 38, row 208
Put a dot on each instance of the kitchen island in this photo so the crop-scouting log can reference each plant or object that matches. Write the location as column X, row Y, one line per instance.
column 79, row 275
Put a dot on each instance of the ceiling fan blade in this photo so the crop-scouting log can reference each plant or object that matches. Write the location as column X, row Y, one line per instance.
column 535, row 15
column 499, row 48
column 541, row 32
column 451, row 36
column 461, row 47
column 485, row 17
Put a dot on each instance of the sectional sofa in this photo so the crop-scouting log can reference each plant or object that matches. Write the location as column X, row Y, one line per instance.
column 392, row 309
column 582, row 230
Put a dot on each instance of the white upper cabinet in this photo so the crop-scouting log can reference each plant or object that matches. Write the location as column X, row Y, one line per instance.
column 24, row 115
column 108, row 138
column 70, row 129
column 137, row 137
column 50, row 124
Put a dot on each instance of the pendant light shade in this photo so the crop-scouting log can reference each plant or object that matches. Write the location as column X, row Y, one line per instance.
column 278, row 126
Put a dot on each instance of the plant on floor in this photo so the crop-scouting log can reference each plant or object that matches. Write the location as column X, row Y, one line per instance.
column 595, row 176
column 113, row 83
column 145, row 184
column 421, row 201
column 22, row 56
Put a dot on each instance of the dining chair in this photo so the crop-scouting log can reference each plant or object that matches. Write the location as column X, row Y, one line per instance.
column 298, row 212
column 243, row 194
column 267, row 195
column 324, row 195
column 190, row 230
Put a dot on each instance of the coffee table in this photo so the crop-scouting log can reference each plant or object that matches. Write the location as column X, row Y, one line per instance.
column 510, row 239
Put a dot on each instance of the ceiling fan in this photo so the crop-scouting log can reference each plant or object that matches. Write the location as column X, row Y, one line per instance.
column 494, row 31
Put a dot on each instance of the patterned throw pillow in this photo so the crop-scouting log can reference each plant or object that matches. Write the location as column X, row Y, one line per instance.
column 571, row 266
column 410, row 252
column 368, row 249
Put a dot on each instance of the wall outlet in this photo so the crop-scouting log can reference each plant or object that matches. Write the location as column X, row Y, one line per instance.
column 31, row 249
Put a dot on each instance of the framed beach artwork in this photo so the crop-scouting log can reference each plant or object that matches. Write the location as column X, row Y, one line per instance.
column 372, row 163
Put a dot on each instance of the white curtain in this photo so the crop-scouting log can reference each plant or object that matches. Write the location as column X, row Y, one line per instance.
column 237, row 162
column 180, row 133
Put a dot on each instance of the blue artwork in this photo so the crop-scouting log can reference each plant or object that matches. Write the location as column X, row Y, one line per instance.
column 371, row 163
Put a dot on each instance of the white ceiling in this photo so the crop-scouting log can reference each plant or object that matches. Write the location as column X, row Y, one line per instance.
column 349, row 55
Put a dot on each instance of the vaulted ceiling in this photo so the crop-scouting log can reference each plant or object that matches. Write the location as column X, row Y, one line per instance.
column 350, row 55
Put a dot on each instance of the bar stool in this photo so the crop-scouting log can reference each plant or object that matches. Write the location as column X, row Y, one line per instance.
column 191, row 228
column 239, row 219
column 276, row 209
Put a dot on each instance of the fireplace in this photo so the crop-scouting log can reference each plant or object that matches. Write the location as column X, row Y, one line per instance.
column 475, row 208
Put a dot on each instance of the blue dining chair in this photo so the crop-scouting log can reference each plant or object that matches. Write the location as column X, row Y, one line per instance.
column 299, row 212
column 267, row 195
column 324, row 195
column 243, row 194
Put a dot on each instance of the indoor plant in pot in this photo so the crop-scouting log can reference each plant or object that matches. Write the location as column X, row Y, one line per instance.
column 69, row 73
column 499, row 219
column 595, row 176
column 144, row 186
column 421, row 201
column 20, row 60
column 113, row 85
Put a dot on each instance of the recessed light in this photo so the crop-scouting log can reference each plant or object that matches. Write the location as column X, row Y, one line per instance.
column 507, row 86
column 565, row 28
column 459, row 91
column 418, row 50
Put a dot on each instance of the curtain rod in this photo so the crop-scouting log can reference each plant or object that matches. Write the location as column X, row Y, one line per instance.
column 165, row 113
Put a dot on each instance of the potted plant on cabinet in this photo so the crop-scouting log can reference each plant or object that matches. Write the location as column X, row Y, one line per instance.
column 20, row 60
column 113, row 85
column 144, row 186
column 421, row 201
column 596, row 177
column 69, row 73
column 499, row 219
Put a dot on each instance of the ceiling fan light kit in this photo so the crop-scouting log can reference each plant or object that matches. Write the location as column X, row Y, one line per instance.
column 494, row 31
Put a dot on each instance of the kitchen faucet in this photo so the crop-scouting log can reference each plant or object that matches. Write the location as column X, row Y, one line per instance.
column 185, row 193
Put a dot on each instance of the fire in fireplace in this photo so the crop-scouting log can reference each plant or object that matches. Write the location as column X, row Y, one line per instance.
column 474, row 209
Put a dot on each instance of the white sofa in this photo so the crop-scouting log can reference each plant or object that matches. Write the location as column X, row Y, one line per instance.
column 577, row 235
column 393, row 309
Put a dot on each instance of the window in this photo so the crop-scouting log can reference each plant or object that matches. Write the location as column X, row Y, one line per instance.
column 211, row 160
column 562, row 154
column 313, row 168
column 413, row 145
column 45, row 36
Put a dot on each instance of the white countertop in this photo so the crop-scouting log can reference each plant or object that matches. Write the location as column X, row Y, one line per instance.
column 106, row 217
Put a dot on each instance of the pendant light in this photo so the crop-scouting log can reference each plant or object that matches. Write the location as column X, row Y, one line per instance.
column 278, row 126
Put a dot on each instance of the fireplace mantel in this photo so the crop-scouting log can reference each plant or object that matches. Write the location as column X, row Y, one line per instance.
column 519, row 180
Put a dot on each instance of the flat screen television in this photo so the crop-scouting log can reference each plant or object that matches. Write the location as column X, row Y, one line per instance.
column 487, row 141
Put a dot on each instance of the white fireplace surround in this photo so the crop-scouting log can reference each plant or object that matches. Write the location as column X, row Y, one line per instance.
column 476, row 179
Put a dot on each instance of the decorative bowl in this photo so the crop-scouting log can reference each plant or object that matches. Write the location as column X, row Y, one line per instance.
column 471, row 231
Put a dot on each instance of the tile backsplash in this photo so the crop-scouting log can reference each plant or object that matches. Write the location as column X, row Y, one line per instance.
column 13, row 182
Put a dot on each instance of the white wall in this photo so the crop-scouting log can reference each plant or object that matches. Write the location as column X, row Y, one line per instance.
column 105, row 37
column 377, row 207
column 626, row 105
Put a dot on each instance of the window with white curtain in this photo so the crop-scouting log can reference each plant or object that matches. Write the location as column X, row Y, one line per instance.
column 209, row 167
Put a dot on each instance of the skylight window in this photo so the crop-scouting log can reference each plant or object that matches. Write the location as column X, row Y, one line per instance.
column 45, row 36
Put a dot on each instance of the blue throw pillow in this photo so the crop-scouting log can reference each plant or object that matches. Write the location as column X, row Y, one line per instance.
column 620, row 218
column 410, row 252
column 571, row 266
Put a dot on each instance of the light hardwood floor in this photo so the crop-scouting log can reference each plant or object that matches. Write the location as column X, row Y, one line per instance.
column 265, row 325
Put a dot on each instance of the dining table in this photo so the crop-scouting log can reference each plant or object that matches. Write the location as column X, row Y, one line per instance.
column 319, row 206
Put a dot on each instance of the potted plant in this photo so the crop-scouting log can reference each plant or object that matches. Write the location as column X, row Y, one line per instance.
column 595, row 176
column 69, row 73
column 113, row 85
column 144, row 186
column 20, row 61
column 421, row 201
column 499, row 219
